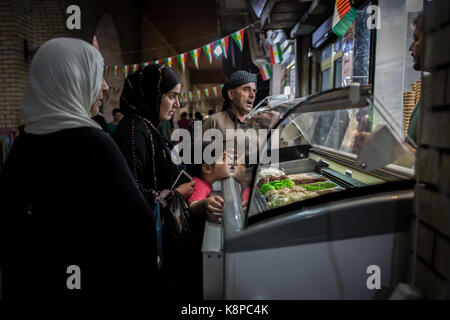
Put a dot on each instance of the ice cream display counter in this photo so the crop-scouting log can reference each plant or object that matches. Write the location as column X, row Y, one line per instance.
column 336, row 206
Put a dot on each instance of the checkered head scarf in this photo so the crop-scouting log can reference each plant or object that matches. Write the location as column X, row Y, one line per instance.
column 235, row 80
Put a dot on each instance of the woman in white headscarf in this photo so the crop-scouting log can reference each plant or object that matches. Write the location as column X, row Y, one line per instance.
column 72, row 220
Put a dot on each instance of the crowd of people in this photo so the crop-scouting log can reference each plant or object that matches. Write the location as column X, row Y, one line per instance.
column 104, row 196
column 106, row 192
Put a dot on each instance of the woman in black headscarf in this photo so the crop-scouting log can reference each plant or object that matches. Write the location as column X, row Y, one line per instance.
column 151, row 95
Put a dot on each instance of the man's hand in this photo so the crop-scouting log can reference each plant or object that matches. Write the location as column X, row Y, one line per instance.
column 186, row 189
column 214, row 208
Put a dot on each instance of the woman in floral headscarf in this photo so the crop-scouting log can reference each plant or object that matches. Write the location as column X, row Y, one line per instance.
column 150, row 95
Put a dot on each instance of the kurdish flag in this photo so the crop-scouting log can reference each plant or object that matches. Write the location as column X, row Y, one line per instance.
column 144, row 65
column 116, row 70
column 169, row 61
column 195, row 54
column 191, row 96
column 344, row 14
column 238, row 37
column 266, row 73
column 276, row 55
column 198, row 94
column 208, row 51
column 126, row 70
column 107, row 70
column 224, row 44
column 134, row 68
column 182, row 60
column 214, row 90
column 206, row 92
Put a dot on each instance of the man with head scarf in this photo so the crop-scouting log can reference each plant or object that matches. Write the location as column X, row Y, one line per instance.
column 239, row 93
column 72, row 220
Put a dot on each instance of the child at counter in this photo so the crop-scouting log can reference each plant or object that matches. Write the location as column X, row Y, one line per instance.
column 205, row 175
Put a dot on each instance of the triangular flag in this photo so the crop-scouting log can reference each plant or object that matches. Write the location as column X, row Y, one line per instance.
column 266, row 73
column 182, row 60
column 198, row 94
column 169, row 61
column 184, row 96
column 135, row 67
column 107, row 70
column 206, row 92
column 224, row 44
column 214, row 90
column 195, row 54
column 117, row 91
column 126, row 70
column 208, row 49
column 144, row 64
column 238, row 37
column 276, row 55
column 191, row 96
column 221, row 87
column 155, row 62
column 116, row 70
column 344, row 14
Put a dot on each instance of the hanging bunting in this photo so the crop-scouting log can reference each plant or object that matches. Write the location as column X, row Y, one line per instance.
column 224, row 44
column 208, row 49
column 169, row 61
column 126, row 70
column 214, row 90
column 221, row 87
column 191, row 96
column 134, row 68
column 116, row 91
column 198, row 94
column 106, row 71
column 145, row 64
column 195, row 54
column 266, row 73
column 276, row 54
column 184, row 96
column 116, row 70
column 206, row 92
column 344, row 14
column 182, row 60
column 238, row 37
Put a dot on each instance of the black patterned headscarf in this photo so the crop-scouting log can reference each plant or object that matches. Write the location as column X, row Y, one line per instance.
column 143, row 89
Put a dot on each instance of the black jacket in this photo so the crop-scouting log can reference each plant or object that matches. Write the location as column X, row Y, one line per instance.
column 68, row 198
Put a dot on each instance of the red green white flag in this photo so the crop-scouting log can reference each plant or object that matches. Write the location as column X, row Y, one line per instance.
column 206, row 92
column 276, row 55
column 221, row 87
column 198, row 94
column 195, row 54
column 224, row 44
column 266, row 73
column 126, row 70
column 238, row 37
column 135, row 67
column 182, row 60
column 214, row 90
column 191, row 96
column 168, row 61
column 344, row 14
column 107, row 70
column 145, row 64
column 208, row 49
column 116, row 70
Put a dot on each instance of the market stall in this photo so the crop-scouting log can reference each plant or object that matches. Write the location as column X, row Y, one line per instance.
column 339, row 202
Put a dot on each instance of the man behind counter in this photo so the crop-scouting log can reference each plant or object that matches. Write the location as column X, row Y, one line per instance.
column 417, row 52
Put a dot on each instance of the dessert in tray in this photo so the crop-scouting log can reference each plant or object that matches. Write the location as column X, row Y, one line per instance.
column 280, row 189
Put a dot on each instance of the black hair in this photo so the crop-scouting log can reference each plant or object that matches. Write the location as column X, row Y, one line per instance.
column 198, row 116
column 116, row 110
column 170, row 78
column 196, row 169
column 211, row 112
column 184, row 114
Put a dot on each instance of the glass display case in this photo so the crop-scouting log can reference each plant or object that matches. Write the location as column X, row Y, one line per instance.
column 337, row 200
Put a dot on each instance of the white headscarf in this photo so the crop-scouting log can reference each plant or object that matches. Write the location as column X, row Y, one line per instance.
column 64, row 80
